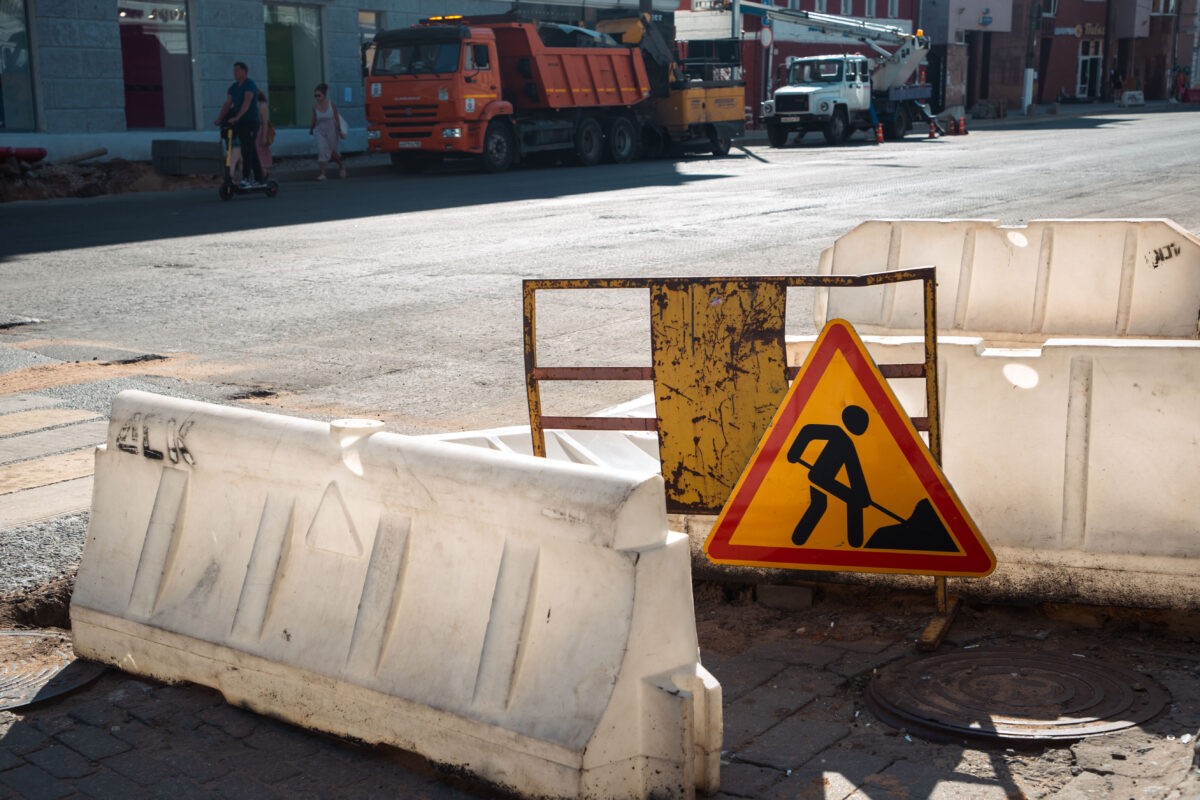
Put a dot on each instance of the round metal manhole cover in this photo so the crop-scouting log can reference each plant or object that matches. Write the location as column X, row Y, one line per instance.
column 37, row 665
column 1011, row 695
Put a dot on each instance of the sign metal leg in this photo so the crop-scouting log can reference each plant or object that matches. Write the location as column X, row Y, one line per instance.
column 947, row 607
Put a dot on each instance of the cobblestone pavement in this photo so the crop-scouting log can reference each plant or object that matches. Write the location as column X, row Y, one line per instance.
column 795, row 721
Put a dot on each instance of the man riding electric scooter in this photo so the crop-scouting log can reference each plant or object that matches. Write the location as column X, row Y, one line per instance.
column 239, row 117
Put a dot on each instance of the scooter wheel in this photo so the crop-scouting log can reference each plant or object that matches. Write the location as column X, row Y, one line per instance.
column 226, row 191
column 272, row 188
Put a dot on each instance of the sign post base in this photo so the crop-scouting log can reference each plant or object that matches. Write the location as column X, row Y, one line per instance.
column 939, row 626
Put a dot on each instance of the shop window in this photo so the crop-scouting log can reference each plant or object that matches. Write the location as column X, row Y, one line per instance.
column 893, row 9
column 157, row 64
column 869, row 9
column 16, row 80
column 1050, row 8
column 294, row 64
column 819, row 6
column 1162, row 7
column 847, row 8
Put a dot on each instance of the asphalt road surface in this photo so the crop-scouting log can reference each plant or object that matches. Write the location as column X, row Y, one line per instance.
column 399, row 297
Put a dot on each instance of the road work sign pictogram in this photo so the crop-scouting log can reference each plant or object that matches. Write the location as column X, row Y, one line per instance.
column 842, row 481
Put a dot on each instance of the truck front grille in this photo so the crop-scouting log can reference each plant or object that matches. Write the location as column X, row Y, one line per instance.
column 409, row 121
column 785, row 103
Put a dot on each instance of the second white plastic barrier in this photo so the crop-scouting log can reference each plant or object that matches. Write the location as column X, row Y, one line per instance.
column 1083, row 277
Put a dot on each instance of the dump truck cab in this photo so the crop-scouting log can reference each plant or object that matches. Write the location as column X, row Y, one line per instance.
column 431, row 91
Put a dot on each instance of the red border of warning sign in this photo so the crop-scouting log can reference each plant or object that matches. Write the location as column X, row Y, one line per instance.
column 976, row 560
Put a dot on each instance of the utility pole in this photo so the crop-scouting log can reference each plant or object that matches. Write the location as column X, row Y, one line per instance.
column 1110, row 58
column 1035, row 25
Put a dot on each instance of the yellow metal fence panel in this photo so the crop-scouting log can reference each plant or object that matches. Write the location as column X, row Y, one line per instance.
column 720, row 373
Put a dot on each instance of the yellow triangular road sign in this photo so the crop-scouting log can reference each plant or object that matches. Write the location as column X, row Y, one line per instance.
column 842, row 481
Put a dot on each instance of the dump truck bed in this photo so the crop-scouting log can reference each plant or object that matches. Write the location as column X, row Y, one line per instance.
column 538, row 76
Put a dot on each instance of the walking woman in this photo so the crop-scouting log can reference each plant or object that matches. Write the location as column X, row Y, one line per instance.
column 325, row 125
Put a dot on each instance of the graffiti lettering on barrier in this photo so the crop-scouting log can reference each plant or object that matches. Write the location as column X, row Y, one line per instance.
column 135, row 438
column 1160, row 254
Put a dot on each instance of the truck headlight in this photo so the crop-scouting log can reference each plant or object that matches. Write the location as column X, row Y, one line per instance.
column 768, row 108
column 373, row 133
column 824, row 105
column 451, row 133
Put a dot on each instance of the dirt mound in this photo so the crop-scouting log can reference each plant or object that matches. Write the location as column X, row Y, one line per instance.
column 46, row 606
column 21, row 181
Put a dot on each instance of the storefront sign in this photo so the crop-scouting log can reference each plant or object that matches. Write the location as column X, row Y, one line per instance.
column 1081, row 30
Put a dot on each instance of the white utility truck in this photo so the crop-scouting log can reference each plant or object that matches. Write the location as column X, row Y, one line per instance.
column 839, row 94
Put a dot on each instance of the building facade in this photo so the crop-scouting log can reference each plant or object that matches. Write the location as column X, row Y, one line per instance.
column 123, row 72
column 1072, row 50
column 86, row 70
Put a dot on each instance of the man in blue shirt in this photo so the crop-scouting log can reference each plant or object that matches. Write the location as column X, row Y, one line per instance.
column 240, row 111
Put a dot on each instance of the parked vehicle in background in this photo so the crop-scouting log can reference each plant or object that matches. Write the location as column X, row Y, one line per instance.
column 839, row 94
column 502, row 89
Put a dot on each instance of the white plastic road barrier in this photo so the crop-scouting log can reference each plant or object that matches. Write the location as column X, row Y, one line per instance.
column 1076, row 458
column 527, row 620
column 1076, row 445
column 1109, row 278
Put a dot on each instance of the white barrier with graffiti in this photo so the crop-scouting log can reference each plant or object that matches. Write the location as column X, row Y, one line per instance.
column 1109, row 278
column 526, row 620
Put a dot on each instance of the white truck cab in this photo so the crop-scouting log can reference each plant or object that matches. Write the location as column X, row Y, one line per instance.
column 831, row 94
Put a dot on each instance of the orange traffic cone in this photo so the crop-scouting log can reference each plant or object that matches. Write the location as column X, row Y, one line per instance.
column 932, row 130
column 962, row 126
column 879, row 133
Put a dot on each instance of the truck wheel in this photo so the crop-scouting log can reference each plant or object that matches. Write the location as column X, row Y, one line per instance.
column 498, row 146
column 898, row 128
column 837, row 130
column 721, row 142
column 589, row 142
column 777, row 135
column 622, row 141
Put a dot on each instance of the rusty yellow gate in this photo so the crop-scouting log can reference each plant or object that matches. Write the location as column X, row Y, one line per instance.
column 719, row 370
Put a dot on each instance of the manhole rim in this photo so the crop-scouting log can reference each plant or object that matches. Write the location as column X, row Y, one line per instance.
column 1151, row 700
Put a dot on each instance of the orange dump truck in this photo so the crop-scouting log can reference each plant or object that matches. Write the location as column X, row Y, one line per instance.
column 502, row 90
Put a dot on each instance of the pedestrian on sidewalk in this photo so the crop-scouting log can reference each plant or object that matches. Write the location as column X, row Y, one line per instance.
column 240, row 111
column 326, row 126
column 1117, row 80
column 266, row 135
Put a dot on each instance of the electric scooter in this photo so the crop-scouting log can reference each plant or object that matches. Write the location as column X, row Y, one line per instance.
column 231, row 186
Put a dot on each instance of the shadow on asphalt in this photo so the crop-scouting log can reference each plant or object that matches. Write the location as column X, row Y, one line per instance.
column 1053, row 123
column 55, row 225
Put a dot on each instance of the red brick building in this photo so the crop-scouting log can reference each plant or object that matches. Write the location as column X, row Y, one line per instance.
column 985, row 52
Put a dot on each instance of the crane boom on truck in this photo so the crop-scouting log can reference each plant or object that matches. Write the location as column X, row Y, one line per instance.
column 839, row 94
column 503, row 88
